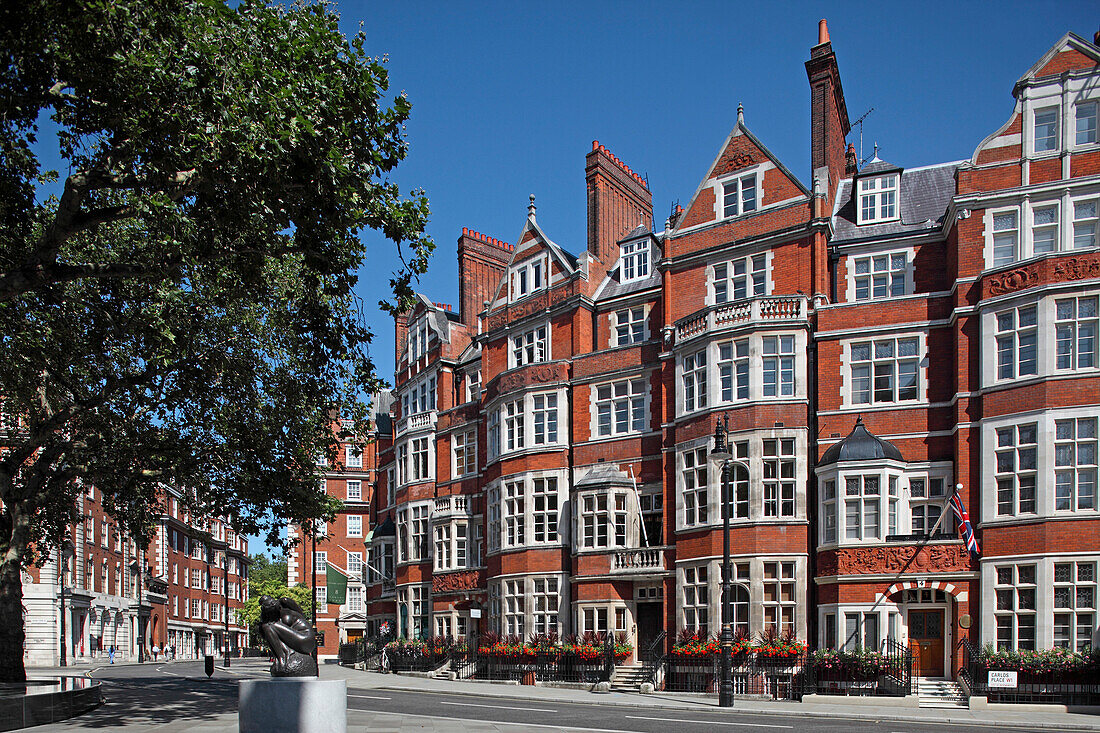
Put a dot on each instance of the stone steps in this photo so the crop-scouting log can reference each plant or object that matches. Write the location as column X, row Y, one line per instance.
column 628, row 678
column 937, row 693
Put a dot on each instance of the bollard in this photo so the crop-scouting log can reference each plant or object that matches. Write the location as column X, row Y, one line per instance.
column 209, row 665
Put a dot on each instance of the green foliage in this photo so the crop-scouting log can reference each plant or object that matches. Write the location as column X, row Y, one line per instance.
column 261, row 569
column 249, row 613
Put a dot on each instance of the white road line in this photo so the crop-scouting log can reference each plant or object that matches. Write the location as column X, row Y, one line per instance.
column 521, row 726
column 497, row 707
column 370, row 697
column 709, row 722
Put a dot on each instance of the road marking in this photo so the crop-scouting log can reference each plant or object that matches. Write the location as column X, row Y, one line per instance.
column 370, row 697
column 497, row 707
column 709, row 722
column 521, row 726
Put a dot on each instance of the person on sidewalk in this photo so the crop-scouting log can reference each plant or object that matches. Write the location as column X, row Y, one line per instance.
column 156, row 651
column 111, row 654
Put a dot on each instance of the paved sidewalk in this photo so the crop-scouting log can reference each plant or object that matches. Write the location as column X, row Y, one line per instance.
column 358, row 680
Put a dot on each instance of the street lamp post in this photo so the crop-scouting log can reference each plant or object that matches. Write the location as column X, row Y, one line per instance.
column 139, row 567
column 724, row 456
column 64, row 552
column 226, row 612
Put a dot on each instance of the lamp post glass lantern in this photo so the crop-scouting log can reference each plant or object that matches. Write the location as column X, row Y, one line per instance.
column 64, row 553
column 724, row 457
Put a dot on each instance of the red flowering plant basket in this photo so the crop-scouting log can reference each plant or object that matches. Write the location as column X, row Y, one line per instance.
column 771, row 646
column 694, row 644
column 1057, row 664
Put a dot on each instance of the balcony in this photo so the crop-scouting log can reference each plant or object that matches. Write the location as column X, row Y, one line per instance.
column 419, row 421
column 446, row 506
column 766, row 310
column 638, row 561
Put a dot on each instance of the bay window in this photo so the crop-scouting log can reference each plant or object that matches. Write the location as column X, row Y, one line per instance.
column 529, row 347
column 778, row 366
column 546, row 602
column 634, row 259
column 694, row 376
column 693, row 477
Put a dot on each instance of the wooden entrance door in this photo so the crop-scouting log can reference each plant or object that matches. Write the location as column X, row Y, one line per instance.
column 926, row 641
column 649, row 626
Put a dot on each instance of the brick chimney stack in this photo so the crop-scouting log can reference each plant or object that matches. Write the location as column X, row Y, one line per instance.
column 829, row 123
column 618, row 201
column 482, row 262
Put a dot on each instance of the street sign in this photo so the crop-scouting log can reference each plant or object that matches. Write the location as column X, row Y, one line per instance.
column 475, row 613
column 1002, row 679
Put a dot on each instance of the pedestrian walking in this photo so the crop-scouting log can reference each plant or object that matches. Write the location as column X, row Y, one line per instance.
column 111, row 654
column 156, row 651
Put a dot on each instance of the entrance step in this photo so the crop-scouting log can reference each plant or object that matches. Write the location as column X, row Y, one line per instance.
column 940, row 693
column 628, row 677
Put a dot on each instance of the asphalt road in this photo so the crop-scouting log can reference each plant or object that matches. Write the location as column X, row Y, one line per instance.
column 179, row 697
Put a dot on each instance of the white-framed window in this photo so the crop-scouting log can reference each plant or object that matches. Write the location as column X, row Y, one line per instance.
column 355, row 491
column 464, row 452
column 1074, row 605
column 828, row 511
column 546, row 603
column 492, row 509
column 1085, row 122
column 355, row 525
column 512, row 598
column 462, row 554
column 630, row 326
column 545, row 419
column 880, row 276
column 420, row 463
column 1015, row 593
column 418, row 532
column 634, row 258
column 884, row 370
column 603, row 520
column 545, row 509
column 1017, row 342
column 420, row 397
column 1076, row 324
column 493, row 432
column 1044, row 228
column 694, row 378
column 514, row 517
column 1046, row 130
column 402, row 463
column 878, row 198
column 733, row 370
column 1075, row 464
column 778, row 365
column 779, row 477
column 779, row 596
column 418, row 338
column 745, row 277
column 696, row 598
column 926, row 501
column 1085, row 224
column 354, row 457
column 320, row 566
column 355, row 599
column 739, row 195
column 391, row 485
column 1006, row 237
column 355, row 565
column 443, row 547
column 863, row 507
column 529, row 347
column 1016, row 466
column 693, row 473
column 528, row 277
column 620, row 407
column 593, row 619
column 473, row 386
column 513, row 424
column 861, row 630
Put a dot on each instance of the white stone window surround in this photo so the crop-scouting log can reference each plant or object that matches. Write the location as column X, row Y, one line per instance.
column 630, row 325
column 1044, row 593
column 1045, row 465
column 852, row 254
column 635, row 262
column 405, row 516
column 756, row 369
column 404, row 450
column 464, row 452
column 1086, row 123
column 729, row 261
column 755, row 462
column 890, row 622
column 614, row 498
column 527, row 581
column 886, row 471
column 419, row 395
column 420, row 337
column 495, row 411
column 531, row 345
column 529, row 276
column 602, row 612
column 1045, row 300
column 1069, row 210
column 495, row 496
column 615, row 387
column 754, row 582
column 718, row 185
column 846, row 370
column 881, row 192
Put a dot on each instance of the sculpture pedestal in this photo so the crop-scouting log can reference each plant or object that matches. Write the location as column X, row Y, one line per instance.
column 293, row 705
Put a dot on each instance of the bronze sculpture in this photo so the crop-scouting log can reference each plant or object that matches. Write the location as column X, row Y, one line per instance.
column 290, row 636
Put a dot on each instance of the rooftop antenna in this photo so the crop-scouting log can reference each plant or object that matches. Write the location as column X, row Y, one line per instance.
column 860, row 123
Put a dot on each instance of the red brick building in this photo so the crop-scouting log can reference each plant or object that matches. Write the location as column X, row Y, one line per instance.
column 875, row 337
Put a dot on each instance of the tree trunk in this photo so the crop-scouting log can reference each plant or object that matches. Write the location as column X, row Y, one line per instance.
column 12, row 633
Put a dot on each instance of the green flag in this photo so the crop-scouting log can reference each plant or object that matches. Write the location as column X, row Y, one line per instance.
column 337, row 584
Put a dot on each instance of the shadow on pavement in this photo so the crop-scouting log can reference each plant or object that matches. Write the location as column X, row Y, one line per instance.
column 156, row 700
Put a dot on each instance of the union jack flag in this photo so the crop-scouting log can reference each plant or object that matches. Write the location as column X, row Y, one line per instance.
column 963, row 520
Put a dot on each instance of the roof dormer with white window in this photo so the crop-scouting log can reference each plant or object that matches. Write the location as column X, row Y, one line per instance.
column 877, row 199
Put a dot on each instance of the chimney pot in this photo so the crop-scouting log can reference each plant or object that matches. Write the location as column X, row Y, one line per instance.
column 822, row 32
column 595, row 144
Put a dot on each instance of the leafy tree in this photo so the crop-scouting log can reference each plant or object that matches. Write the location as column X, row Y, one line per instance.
column 183, row 312
column 249, row 613
column 261, row 569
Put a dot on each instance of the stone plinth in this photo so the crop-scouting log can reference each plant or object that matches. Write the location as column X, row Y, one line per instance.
column 293, row 705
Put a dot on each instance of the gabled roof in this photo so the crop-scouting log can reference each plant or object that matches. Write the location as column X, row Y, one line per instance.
column 604, row 474
column 525, row 243
column 1067, row 43
column 860, row 445
column 876, row 167
column 438, row 318
column 923, row 197
column 612, row 285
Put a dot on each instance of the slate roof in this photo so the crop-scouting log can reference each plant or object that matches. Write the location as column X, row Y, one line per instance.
column 924, row 195
column 612, row 286
column 860, row 445
column 604, row 474
column 381, row 403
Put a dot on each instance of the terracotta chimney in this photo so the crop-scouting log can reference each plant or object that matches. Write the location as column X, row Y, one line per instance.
column 822, row 32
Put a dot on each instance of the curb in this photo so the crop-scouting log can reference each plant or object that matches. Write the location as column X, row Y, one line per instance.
column 841, row 713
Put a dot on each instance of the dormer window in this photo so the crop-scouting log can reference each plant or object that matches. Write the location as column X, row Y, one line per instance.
column 530, row 277
column 419, row 334
column 634, row 260
column 739, row 196
column 878, row 199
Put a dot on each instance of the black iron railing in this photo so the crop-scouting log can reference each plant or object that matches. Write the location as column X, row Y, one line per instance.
column 651, row 658
column 1064, row 687
column 548, row 666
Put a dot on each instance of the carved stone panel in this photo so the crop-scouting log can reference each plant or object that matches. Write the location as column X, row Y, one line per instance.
column 546, row 373
column 468, row 580
column 893, row 560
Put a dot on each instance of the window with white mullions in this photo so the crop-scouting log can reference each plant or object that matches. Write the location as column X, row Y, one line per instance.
column 778, row 366
column 546, row 601
column 1075, row 464
column 926, row 498
column 545, row 504
column 738, row 196
column 514, row 517
column 1016, row 459
column 878, row 198
column 884, row 370
column 420, row 459
column 880, row 276
column 513, row 425
column 545, row 419
column 1044, row 229
column 779, row 600
column 1006, row 238
column 634, row 257
column 1046, row 130
column 739, row 482
column 513, row 596
column 696, row 601
column 1085, row 224
column 528, row 278
column 1017, row 339
column 733, row 370
column 529, row 347
column 620, row 407
column 443, row 547
column 629, row 326
column 779, row 477
column 695, row 380
column 1076, row 327
column 745, row 277
column 694, row 477
column 1085, row 122
column 1074, row 605
column 595, row 521
column 828, row 511
column 1015, row 607
column 493, row 511
column 862, row 507
column 465, row 452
